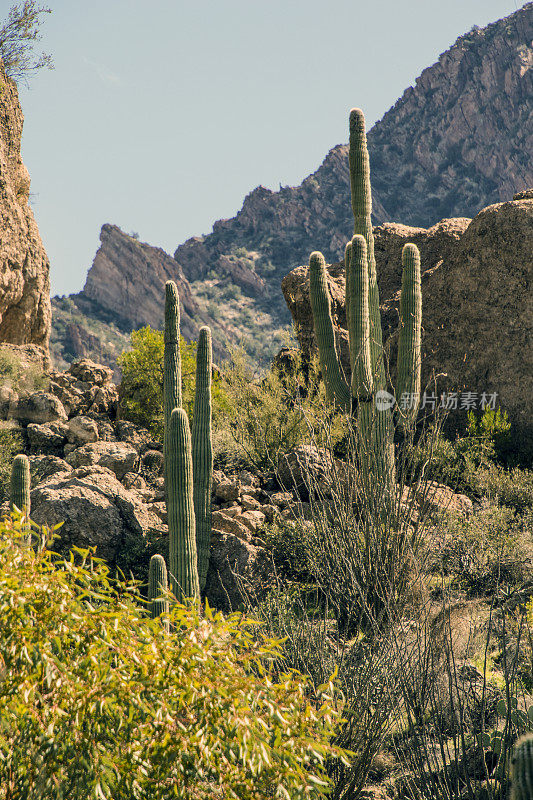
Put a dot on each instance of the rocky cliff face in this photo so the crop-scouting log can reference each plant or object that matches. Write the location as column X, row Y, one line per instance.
column 24, row 268
column 457, row 141
column 477, row 305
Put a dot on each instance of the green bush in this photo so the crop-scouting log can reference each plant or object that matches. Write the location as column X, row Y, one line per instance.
column 270, row 415
column 512, row 488
column 98, row 701
column 141, row 387
column 10, row 446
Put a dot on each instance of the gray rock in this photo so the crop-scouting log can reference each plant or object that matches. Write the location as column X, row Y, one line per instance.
column 304, row 467
column 48, row 438
column 89, row 372
column 95, row 509
column 40, row 407
column 82, row 430
column 119, row 457
column 236, row 568
column 44, row 467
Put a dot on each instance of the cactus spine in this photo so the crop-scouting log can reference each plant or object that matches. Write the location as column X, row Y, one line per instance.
column 157, row 586
column 202, row 453
column 522, row 769
column 375, row 423
column 180, row 505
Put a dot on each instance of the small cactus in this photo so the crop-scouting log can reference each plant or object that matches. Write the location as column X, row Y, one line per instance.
column 157, row 586
column 522, row 769
column 20, row 490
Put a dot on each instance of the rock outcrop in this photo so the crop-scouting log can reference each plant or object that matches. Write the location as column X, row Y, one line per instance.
column 477, row 304
column 127, row 279
column 25, row 315
column 457, row 141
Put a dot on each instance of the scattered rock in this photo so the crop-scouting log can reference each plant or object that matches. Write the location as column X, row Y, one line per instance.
column 252, row 519
column 227, row 490
column 232, row 556
column 95, row 510
column 439, row 497
column 82, row 430
column 89, row 372
column 44, row 467
column 48, row 438
column 303, row 467
column 223, row 522
column 40, row 407
column 119, row 457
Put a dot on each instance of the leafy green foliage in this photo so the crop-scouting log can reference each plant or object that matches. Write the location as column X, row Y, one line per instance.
column 97, row 701
column 10, row 445
column 270, row 415
column 141, row 388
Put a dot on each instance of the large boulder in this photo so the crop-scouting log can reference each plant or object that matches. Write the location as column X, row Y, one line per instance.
column 119, row 457
column 95, row 509
column 477, row 307
column 237, row 569
column 40, row 407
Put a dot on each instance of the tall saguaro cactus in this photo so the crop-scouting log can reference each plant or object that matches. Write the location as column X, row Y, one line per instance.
column 202, row 453
column 367, row 393
column 188, row 463
column 522, row 769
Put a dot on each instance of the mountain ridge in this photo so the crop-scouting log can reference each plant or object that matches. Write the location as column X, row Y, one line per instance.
column 457, row 141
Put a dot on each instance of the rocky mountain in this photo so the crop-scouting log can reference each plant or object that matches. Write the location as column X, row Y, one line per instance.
column 24, row 268
column 456, row 142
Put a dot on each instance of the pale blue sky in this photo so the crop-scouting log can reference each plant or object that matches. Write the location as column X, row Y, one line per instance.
column 161, row 116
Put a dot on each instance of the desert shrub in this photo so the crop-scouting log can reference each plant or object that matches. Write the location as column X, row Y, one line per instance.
column 483, row 550
column 10, row 446
column 141, row 387
column 98, row 701
column 512, row 488
column 19, row 378
column 289, row 550
column 270, row 415
column 17, row 36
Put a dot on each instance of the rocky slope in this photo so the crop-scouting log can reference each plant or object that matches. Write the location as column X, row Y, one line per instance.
column 24, row 268
column 477, row 305
column 457, row 141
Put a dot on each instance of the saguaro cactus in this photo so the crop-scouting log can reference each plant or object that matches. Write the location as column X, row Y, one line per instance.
column 202, row 453
column 21, row 484
column 180, row 505
column 157, row 586
column 522, row 769
column 367, row 393
column 172, row 358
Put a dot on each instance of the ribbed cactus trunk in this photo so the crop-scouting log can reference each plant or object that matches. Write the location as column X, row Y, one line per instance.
column 202, row 453
column 180, row 506
column 172, row 360
column 522, row 769
column 157, row 586
column 409, row 342
column 20, row 490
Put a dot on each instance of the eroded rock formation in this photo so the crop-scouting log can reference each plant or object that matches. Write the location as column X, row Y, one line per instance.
column 25, row 315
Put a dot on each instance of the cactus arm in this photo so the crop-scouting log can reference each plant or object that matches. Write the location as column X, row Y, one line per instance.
column 336, row 384
column 409, row 344
column 202, row 453
column 157, row 585
column 181, row 521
